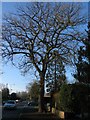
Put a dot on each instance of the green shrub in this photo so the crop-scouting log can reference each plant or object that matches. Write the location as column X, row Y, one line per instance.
column 65, row 99
column 74, row 97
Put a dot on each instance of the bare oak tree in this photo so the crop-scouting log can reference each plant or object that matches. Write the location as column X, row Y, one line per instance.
column 37, row 30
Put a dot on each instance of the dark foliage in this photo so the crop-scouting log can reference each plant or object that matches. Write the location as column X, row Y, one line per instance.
column 83, row 64
column 74, row 98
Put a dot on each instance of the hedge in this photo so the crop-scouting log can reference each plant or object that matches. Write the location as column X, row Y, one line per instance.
column 74, row 98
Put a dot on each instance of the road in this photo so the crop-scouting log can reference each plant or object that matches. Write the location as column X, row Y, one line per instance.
column 14, row 114
column 25, row 112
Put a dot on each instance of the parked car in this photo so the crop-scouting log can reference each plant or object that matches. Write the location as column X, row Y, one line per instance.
column 10, row 104
column 32, row 103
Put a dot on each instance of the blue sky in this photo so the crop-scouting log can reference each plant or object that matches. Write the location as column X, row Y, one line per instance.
column 11, row 75
column 45, row 0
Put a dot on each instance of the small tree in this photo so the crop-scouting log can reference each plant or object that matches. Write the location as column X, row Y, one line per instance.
column 13, row 96
column 5, row 94
column 34, row 90
column 22, row 95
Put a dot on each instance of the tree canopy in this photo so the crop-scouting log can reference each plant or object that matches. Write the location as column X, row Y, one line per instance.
column 30, row 36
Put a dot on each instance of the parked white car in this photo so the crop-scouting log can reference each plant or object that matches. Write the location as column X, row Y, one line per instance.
column 10, row 104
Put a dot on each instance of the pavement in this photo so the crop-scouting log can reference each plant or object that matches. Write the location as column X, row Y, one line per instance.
column 31, row 113
column 38, row 116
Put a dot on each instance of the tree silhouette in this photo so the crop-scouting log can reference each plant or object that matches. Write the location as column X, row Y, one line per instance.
column 83, row 64
column 5, row 94
column 31, row 35
column 13, row 96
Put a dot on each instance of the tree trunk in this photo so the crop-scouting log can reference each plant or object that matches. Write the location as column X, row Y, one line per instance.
column 41, row 98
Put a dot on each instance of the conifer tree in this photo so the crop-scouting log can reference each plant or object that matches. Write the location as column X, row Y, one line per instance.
column 83, row 65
